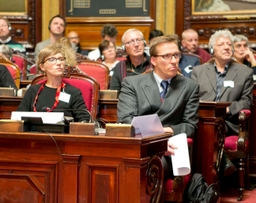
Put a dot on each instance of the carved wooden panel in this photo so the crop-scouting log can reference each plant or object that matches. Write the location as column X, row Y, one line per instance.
column 28, row 182
column 26, row 27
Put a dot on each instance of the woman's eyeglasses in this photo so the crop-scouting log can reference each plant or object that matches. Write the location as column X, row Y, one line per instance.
column 54, row 60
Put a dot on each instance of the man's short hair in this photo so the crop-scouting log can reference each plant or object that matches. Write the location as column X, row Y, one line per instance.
column 239, row 38
column 155, row 33
column 185, row 32
column 7, row 22
column 57, row 16
column 108, row 30
column 131, row 30
column 218, row 34
column 159, row 40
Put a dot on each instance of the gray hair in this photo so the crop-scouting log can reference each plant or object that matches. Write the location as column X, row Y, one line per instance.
column 218, row 34
column 239, row 38
column 131, row 30
column 6, row 51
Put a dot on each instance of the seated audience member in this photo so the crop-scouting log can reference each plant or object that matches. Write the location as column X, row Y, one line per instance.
column 190, row 45
column 187, row 61
column 75, row 41
column 54, row 94
column 108, row 32
column 242, row 52
column 6, row 51
column 6, row 79
column 108, row 54
column 6, row 38
column 56, row 28
column 164, row 92
column 224, row 80
column 153, row 33
column 70, row 53
column 137, row 61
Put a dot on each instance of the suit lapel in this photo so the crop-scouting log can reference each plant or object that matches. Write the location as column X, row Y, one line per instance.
column 211, row 74
column 151, row 90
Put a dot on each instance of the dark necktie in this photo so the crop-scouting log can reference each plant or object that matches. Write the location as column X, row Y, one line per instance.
column 164, row 85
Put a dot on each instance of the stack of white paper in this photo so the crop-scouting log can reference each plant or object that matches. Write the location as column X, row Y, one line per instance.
column 180, row 160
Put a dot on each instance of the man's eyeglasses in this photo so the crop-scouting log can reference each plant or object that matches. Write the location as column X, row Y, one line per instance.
column 132, row 42
column 170, row 56
column 54, row 60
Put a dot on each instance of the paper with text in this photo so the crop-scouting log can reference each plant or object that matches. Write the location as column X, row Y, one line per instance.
column 147, row 125
column 180, row 160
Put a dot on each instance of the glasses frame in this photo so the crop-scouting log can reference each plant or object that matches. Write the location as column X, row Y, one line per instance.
column 175, row 55
column 132, row 42
column 55, row 60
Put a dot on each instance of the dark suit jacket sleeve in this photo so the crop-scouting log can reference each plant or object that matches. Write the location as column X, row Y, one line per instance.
column 6, row 79
column 127, row 103
column 116, row 79
column 246, row 99
column 189, row 120
column 28, row 99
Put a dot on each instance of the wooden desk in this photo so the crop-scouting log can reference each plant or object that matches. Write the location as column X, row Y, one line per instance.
column 88, row 169
column 209, row 139
column 210, row 129
column 7, row 105
column 252, row 141
column 24, row 83
column 108, row 110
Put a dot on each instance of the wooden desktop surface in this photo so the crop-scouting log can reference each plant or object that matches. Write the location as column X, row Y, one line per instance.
column 66, row 168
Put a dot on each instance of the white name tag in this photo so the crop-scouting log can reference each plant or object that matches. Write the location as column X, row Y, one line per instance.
column 64, row 97
column 188, row 69
column 229, row 83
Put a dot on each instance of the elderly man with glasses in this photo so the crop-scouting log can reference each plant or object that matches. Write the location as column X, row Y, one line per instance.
column 137, row 61
column 164, row 92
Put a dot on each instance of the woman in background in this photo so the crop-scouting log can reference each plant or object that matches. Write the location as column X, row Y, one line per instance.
column 54, row 94
column 242, row 53
column 6, row 79
column 6, row 51
column 108, row 54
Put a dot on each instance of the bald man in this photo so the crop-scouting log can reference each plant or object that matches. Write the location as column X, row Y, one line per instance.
column 75, row 41
column 190, row 44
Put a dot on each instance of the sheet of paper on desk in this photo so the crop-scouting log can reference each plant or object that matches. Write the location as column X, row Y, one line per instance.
column 180, row 160
column 47, row 117
column 147, row 125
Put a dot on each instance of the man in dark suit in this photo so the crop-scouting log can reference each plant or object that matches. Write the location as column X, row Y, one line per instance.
column 141, row 94
column 224, row 80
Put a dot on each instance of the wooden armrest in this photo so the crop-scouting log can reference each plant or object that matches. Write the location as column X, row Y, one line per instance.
column 243, row 129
